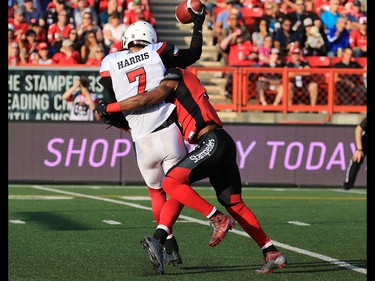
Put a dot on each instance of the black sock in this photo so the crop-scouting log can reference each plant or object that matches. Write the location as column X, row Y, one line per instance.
column 271, row 248
column 160, row 235
column 171, row 245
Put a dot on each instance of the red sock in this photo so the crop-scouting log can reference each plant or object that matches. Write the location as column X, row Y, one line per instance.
column 187, row 196
column 158, row 199
column 170, row 212
column 249, row 222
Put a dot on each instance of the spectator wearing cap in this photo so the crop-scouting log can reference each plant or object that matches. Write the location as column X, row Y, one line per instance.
column 33, row 13
column 337, row 38
column 19, row 23
column 299, row 80
column 138, row 13
column 82, row 7
column 58, row 31
column 271, row 81
column 355, row 14
column 67, row 55
column 42, row 56
column 358, row 39
column 330, row 17
column 113, row 30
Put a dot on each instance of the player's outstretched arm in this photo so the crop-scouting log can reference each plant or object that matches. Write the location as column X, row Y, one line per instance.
column 156, row 95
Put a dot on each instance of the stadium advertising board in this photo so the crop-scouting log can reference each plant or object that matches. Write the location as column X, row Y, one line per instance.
column 295, row 155
column 34, row 94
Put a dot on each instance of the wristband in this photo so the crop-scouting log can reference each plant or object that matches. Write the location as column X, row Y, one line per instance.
column 113, row 107
column 359, row 149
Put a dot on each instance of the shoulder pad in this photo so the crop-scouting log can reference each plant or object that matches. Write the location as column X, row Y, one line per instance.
column 173, row 74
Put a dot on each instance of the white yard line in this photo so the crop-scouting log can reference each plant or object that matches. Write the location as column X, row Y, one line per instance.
column 191, row 219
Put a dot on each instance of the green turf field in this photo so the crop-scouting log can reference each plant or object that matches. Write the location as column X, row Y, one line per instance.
column 82, row 232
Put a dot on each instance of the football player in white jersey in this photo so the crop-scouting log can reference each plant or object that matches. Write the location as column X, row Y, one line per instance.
column 138, row 68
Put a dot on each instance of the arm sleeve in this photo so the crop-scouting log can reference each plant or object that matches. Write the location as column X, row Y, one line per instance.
column 186, row 57
column 109, row 94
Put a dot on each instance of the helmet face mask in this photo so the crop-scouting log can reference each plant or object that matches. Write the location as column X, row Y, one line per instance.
column 140, row 32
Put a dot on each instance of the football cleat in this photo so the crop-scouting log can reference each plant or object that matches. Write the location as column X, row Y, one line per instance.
column 172, row 259
column 222, row 224
column 154, row 250
column 272, row 261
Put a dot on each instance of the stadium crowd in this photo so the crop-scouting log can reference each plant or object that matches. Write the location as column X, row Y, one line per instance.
column 77, row 31
column 70, row 32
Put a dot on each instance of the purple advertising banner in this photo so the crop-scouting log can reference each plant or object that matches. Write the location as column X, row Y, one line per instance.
column 87, row 152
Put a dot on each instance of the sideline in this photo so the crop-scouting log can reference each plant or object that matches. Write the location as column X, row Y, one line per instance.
column 190, row 219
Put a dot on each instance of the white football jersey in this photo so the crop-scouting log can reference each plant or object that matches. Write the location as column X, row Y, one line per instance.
column 134, row 73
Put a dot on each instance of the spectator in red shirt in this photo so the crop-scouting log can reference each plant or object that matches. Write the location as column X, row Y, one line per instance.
column 358, row 39
column 42, row 56
column 41, row 32
column 232, row 25
column 138, row 13
column 59, row 31
column 96, row 56
column 54, row 8
column 240, row 52
column 115, row 47
column 11, row 37
column 19, row 23
column 67, row 55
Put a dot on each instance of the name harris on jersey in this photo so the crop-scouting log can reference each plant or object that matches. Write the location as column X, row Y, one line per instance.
column 132, row 60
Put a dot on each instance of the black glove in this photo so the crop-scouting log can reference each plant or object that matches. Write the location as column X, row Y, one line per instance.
column 101, row 108
column 116, row 119
column 198, row 19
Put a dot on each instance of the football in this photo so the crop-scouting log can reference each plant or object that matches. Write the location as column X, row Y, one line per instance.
column 182, row 14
